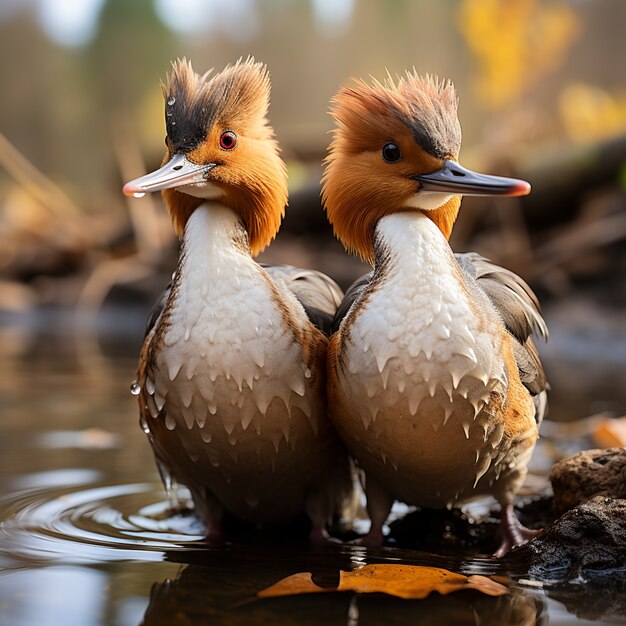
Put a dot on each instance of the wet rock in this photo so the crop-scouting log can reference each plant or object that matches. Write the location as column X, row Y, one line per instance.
column 588, row 541
column 587, row 474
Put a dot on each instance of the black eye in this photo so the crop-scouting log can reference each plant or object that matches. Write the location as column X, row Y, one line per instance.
column 228, row 140
column 391, row 153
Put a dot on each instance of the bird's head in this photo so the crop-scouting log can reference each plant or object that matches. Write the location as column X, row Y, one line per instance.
column 395, row 149
column 220, row 147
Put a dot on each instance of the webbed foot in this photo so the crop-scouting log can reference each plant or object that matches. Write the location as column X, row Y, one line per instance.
column 512, row 532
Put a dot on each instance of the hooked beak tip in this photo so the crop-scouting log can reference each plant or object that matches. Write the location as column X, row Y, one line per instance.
column 521, row 189
column 132, row 190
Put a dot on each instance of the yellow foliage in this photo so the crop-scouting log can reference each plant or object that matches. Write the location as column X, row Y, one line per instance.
column 590, row 113
column 515, row 42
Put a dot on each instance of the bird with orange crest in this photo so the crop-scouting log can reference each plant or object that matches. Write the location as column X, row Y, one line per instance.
column 435, row 384
column 232, row 373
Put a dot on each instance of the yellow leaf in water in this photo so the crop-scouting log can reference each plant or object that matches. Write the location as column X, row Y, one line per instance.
column 403, row 581
column 293, row 585
column 413, row 581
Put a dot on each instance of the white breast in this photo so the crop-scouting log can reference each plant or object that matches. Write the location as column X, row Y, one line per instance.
column 225, row 325
column 421, row 365
column 231, row 378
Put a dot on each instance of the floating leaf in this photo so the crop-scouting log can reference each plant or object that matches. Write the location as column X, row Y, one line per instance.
column 413, row 581
column 294, row 585
column 403, row 581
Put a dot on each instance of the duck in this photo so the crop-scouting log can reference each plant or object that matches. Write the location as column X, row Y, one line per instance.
column 231, row 380
column 435, row 384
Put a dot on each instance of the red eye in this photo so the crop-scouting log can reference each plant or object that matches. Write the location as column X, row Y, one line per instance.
column 228, row 140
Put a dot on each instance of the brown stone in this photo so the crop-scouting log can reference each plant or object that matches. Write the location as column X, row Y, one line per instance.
column 587, row 474
column 587, row 541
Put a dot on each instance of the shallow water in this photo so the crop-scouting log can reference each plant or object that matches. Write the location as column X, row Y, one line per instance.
column 86, row 535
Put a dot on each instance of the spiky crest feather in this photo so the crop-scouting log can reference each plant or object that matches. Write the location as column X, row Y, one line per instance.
column 420, row 115
column 253, row 177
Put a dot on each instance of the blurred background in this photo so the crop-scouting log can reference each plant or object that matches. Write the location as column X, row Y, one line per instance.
column 542, row 96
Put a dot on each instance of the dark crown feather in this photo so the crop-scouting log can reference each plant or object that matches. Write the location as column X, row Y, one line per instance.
column 194, row 103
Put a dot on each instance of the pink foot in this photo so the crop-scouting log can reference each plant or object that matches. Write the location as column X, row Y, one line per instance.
column 373, row 539
column 379, row 502
column 511, row 532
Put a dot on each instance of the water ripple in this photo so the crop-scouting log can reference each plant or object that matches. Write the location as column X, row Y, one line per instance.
column 102, row 522
column 95, row 523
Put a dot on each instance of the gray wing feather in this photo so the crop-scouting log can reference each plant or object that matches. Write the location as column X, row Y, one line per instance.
column 157, row 309
column 512, row 297
column 519, row 309
column 352, row 294
column 319, row 295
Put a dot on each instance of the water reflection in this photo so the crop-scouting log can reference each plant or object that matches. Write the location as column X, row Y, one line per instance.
column 41, row 596
column 592, row 602
column 221, row 589
column 86, row 533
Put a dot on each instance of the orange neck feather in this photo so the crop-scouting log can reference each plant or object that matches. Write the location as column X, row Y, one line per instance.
column 419, row 115
column 260, row 218
column 260, row 215
column 180, row 206
column 445, row 216
column 355, row 204
column 260, row 203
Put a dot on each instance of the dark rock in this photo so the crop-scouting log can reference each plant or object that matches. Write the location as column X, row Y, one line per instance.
column 588, row 474
column 587, row 541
